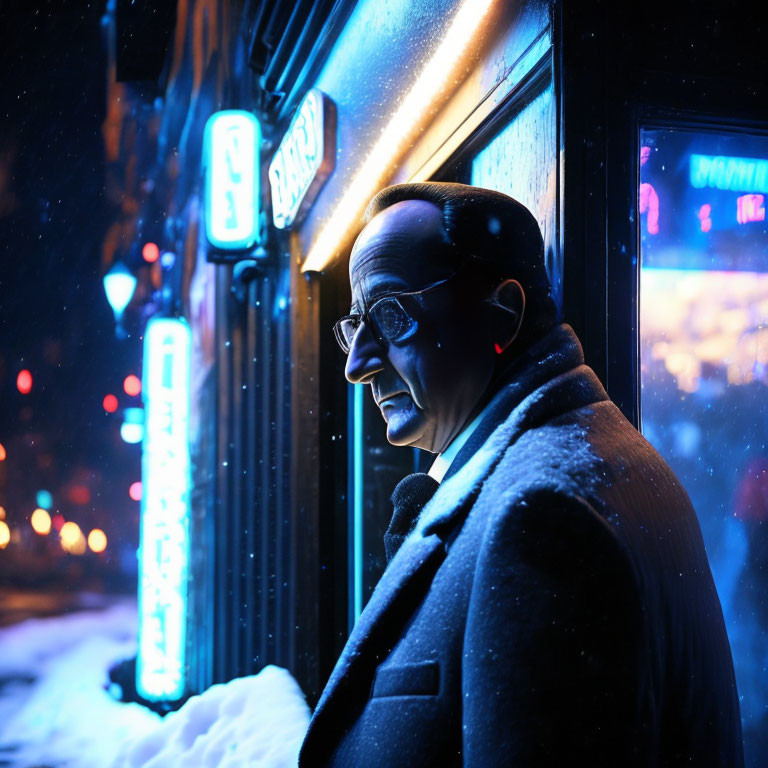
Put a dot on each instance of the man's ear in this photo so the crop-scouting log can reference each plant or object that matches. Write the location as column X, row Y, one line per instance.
column 508, row 306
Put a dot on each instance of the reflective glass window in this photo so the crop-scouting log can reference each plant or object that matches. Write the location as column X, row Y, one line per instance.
column 704, row 367
column 521, row 161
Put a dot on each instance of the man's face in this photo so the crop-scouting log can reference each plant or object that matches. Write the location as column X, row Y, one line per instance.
column 428, row 384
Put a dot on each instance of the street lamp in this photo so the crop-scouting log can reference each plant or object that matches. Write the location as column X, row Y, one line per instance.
column 119, row 285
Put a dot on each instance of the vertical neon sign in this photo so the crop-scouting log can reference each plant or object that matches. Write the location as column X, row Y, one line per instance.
column 231, row 146
column 164, row 547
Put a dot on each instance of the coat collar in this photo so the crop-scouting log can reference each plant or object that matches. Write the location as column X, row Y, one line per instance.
column 549, row 379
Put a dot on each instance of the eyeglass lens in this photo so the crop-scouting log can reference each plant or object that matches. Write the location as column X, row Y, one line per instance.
column 391, row 323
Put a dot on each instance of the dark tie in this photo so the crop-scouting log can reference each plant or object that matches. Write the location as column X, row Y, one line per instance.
column 409, row 497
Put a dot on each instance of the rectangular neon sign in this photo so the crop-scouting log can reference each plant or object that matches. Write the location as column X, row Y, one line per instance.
column 738, row 174
column 164, row 547
column 231, row 145
column 304, row 160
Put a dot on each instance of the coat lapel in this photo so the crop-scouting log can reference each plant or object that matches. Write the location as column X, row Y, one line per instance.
column 397, row 594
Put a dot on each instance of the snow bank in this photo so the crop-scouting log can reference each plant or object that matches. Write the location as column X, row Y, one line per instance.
column 54, row 710
column 251, row 721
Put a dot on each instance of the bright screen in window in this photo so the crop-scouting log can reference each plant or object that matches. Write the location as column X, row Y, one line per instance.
column 704, row 367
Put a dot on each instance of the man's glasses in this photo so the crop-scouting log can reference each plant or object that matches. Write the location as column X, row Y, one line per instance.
column 387, row 318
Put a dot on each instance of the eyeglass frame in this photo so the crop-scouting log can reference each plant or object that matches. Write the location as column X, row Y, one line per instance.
column 365, row 315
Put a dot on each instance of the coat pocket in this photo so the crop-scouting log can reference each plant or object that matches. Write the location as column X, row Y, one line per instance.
column 421, row 679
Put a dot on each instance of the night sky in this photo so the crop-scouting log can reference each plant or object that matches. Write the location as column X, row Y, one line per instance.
column 54, row 317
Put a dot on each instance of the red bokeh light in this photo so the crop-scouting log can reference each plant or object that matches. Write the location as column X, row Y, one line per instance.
column 150, row 252
column 58, row 521
column 132, row 385
column 24, row 382
column 109, row 403
column 135, row 491
column 79, row 494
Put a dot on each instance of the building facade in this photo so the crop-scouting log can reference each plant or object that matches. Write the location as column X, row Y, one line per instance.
column 617, row 125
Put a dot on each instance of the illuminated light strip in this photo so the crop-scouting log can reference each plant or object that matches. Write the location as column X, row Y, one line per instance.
column 396, row 136
column 357, row 526
column 164, row 548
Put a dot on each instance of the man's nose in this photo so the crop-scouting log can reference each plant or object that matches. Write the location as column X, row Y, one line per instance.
column 365, row 358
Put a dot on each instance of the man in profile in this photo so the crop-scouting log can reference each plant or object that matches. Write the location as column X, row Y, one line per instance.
column 548, row 599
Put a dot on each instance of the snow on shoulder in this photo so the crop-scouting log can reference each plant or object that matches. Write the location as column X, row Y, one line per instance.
column 250, row 721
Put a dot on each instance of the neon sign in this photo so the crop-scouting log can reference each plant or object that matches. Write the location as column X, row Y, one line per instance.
column 649, row 203
column 304, row 159
column 164, row 548
column 705, row 217
column 750, row 208
column 231, row 155
column 738, row 174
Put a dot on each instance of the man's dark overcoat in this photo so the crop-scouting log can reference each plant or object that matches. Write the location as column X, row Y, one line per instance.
column 553, row 605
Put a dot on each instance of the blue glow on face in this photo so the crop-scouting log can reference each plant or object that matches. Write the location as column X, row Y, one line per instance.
column 44, row 499
column 738, row 174
column 119, row 285
column 231, row 146
column 164, row 548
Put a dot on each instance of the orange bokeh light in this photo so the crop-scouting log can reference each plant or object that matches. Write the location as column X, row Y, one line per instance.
column 110, row 403
column 132, row 385
column 72, row 539
column 2, row 452
column 97, row 540
column 24, row 382
column 41, row 522
column 150, row 252
column 135, row 491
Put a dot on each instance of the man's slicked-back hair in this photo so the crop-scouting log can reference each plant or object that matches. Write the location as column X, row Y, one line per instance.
column 491, row 228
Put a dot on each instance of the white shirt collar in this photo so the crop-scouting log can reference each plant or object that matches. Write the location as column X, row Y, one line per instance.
column 443, row 461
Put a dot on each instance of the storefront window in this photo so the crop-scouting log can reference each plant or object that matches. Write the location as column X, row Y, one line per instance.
column 521, row 161
column 704, row 366
column 375, row 468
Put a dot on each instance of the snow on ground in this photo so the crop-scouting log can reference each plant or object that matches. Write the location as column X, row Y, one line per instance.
column 251, row 721
column 55, row 711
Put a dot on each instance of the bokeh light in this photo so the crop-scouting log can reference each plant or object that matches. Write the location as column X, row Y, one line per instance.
column 110, row 403
column 132, row 385
column 135, row 491
column 58, row 521
column 72, row 538
column 24, row 382
column 41, row 521
column 2, row 513
column 150, row 252
column 79, row 494
column 2, row 452
column 44, row 499
column 132, row 433
column 5, row 534
column 97, row 540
